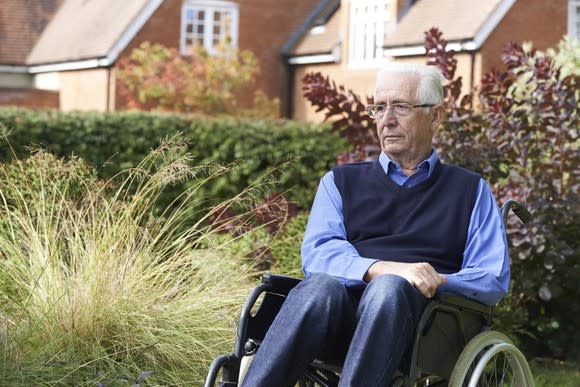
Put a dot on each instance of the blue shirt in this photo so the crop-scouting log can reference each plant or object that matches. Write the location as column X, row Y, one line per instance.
column 484, row 275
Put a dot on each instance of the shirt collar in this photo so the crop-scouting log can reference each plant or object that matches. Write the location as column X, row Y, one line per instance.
column 429, row 163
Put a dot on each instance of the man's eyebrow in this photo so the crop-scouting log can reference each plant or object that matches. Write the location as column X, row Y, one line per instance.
column 380, row 101
column 398, row 100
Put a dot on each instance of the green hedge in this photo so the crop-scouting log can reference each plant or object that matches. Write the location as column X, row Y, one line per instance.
column 114, row 141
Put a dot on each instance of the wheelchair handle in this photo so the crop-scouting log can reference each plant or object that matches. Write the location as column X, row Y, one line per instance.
column 521, row 212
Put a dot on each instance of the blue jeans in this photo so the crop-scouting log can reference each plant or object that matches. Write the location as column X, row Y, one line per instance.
column 369, row 330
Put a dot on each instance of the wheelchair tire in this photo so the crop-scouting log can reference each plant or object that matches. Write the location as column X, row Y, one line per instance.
column 490, row 359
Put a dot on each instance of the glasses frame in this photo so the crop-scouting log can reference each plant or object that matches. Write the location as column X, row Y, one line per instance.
column 387, row 106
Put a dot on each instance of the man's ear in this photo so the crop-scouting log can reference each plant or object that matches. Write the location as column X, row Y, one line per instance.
column 438, row 117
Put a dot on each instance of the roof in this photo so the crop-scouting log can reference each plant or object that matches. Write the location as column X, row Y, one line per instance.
column 319, row 34
column 320, row 39
column 89, row 29
column 459, row 20
column 21, row 24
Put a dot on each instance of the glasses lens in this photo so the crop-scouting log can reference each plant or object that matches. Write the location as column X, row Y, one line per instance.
column 397, row 109
column 401, row 110
column 377, row 110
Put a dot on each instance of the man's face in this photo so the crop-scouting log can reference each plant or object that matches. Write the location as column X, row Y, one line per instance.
column 409, row 137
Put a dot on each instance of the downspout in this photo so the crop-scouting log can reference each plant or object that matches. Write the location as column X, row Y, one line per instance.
column 286, row 49
column 289, row 105
column 108, row 100
column 472, row 72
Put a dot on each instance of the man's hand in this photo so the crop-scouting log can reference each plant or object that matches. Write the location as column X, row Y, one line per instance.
column 421, row 275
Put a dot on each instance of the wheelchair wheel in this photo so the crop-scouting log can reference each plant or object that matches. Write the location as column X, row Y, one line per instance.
column 490, row 359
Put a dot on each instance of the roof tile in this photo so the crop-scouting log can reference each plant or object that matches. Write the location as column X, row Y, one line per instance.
column 457, row 19
column 84, row 29
column 321, row 42
column 21, row 23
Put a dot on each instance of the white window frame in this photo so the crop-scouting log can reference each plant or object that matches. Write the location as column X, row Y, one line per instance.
column 574, row 19
column 369, row 21
column 209, row 7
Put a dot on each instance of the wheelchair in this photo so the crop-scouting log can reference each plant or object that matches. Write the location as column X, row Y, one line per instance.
column 454, row 344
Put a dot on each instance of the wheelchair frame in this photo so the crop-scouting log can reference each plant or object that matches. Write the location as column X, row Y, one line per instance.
column 456, row 328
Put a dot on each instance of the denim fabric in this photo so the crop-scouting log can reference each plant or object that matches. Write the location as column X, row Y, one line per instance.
column 370, row 330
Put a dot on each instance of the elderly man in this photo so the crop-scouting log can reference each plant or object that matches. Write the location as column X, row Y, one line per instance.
column 383, row 237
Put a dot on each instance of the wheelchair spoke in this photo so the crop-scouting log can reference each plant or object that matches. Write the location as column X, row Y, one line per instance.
column 499, row 371
column 504, row 373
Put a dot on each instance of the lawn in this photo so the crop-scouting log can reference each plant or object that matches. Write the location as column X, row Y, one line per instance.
column 552, row 374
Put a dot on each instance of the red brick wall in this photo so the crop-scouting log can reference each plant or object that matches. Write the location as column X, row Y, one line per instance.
column 264, row 27
column 30, row 98
column 163, row 27
column 540, row 21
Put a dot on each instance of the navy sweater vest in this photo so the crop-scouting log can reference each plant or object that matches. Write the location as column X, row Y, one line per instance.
column 425, row 223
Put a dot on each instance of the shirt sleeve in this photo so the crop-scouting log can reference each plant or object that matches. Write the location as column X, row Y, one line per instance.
column 484, row 274
column 325, row 247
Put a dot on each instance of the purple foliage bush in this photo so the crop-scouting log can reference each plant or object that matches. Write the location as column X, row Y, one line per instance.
column 520, row 131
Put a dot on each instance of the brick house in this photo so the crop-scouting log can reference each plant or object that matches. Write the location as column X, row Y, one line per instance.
column 353, row 40
column 63, row 53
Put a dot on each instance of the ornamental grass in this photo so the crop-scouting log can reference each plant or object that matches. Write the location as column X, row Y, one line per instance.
column 99, row 286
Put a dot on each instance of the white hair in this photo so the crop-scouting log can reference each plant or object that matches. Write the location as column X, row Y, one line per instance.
column 430, row 88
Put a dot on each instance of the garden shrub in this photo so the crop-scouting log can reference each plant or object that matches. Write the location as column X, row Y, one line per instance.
column 111, row 142
column 154, row 77
column 286, row 247
column 271, row 250
column 27, row 179
column 527, row 143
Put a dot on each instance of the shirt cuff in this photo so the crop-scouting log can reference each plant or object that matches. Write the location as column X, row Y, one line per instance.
column 457, row 284
column 360, row 266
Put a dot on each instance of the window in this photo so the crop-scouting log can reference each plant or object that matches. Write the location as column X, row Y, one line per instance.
column 574, row 18
column 370, row 21
column 208, row 23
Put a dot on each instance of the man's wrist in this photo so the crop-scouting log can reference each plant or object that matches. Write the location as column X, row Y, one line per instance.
column 377, row 268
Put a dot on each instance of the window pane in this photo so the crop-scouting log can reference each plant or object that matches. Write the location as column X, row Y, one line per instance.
column 369, row 22
column 227, row 27
column 208, row 25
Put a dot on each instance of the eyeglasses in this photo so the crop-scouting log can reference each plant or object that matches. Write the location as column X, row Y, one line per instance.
column 399, row 109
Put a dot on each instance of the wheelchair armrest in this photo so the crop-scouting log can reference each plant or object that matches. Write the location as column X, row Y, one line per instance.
column 281, row 283
column 464, row 303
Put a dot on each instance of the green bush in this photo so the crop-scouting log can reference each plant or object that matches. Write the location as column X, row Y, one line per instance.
column 111, row 142
column 286, row 247
column 44, row 174
column 95, row 290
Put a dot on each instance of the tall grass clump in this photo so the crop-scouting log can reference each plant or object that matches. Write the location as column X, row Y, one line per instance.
column 96, row 289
